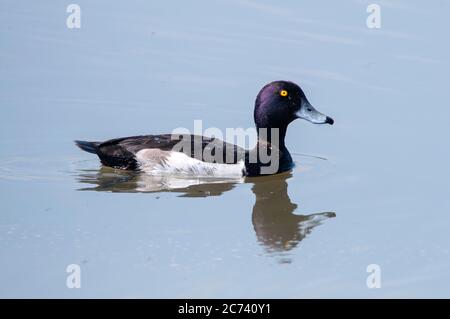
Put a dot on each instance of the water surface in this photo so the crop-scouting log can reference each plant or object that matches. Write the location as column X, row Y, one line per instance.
column 379, row 196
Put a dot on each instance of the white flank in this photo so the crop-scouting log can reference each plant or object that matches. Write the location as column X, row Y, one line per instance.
column 157, row 162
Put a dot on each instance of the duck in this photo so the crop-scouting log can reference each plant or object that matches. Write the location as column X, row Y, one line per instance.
column 277, row 104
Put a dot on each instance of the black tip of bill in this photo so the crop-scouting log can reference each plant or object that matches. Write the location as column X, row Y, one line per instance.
column 329, row 120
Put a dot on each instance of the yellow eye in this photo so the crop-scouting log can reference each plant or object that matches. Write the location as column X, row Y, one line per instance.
column 283, row 93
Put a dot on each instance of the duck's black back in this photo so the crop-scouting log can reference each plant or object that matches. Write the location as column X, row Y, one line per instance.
column 120, row 152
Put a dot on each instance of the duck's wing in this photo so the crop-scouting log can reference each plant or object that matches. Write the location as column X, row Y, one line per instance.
column 125, row 152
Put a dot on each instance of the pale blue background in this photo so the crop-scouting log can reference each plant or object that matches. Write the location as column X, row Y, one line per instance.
column 140, row 67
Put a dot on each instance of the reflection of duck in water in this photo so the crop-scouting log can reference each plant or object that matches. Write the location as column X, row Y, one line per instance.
column 276, row 227
column 107, row 179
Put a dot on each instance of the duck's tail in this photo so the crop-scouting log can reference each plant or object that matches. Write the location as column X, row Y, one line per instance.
column 91, row 147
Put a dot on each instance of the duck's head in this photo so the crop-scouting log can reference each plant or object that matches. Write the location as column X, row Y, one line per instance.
column 281, row 102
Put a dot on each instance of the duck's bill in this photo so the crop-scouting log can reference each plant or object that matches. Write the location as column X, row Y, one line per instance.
column 310, row 114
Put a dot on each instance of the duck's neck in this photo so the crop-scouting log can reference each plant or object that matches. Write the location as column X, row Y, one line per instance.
column 274, row 137
column 270, row 143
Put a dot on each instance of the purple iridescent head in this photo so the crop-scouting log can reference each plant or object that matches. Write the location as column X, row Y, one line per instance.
column 281, row 102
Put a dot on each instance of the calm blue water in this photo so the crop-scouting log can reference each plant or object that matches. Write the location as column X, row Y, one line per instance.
column 381, row 196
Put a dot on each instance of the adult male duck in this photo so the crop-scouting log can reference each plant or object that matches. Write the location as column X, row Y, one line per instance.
column 277, row 105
